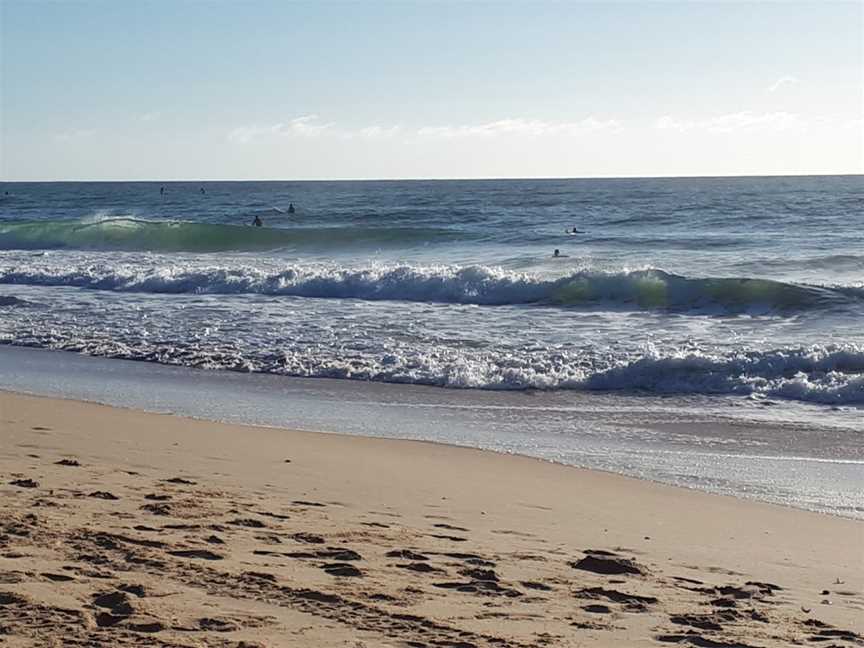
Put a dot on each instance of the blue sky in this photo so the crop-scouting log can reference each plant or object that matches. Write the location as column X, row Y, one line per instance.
column 277, row 90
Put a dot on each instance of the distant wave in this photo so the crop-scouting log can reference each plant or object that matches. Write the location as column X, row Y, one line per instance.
column 132, row 234
column 830, row 262
column 482, row 285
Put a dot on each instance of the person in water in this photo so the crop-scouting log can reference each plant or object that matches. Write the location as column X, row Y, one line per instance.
column 257, row 222
column 202, row 190
column 290, row 208
column 557, row 253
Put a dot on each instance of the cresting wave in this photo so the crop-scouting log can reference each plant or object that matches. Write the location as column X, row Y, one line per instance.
column 480, row 285
column 830, row 375
column 132, row 234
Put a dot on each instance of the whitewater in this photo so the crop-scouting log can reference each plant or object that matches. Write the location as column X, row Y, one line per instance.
column 749, row 287
column 703, row 332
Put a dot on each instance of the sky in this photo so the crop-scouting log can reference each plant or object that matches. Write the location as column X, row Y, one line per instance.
column 123, row 90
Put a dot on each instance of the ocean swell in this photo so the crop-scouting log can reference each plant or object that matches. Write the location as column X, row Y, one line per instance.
column 132, row 234
column 448, row 284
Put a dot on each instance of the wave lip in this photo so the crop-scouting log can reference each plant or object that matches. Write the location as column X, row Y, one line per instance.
column 477, row 285
column 827, row 375
column 133, row 234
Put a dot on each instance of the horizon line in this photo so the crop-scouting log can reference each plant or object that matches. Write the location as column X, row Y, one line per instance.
column 458, row 179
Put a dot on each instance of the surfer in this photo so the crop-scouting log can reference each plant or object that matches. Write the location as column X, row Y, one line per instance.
column 290, row 208
column 557, row 253
column 257, row 222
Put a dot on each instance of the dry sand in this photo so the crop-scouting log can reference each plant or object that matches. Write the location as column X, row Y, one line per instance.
column 121, row 528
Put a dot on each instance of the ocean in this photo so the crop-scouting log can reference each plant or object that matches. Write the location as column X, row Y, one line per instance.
column 739, row 297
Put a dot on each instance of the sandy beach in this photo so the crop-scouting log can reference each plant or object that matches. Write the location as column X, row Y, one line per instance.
column 127, row 528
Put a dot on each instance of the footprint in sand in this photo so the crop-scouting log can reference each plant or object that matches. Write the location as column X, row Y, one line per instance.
column 607, row 563
column 450, row 527
column 105, row 495
column 448, row 537
column 305, row 503
column 24, row 483
column 180, row 480
column 218, row 624
column 406, row 554
column 248, row 522
column 422, row 567
column 341, row 569
column 57, row 578
column 202, row 554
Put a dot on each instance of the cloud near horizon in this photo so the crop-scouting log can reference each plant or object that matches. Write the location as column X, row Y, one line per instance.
column 744, row 120
column 309, row 126
column 305, row 126
column 519, row 126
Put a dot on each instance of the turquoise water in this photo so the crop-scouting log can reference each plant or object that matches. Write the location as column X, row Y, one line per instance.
column 750, row 287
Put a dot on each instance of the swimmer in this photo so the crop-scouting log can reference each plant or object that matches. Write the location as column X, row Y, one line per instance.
column 290, row 208
column 257, row 222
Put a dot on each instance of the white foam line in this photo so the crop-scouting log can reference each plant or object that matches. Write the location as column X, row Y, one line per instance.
column 726, row 455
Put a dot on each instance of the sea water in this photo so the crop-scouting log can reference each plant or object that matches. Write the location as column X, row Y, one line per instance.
column 745, row 293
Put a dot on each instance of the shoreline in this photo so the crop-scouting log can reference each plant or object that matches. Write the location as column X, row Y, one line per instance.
column 778, row 455
column 635, row 481
column 518, row 525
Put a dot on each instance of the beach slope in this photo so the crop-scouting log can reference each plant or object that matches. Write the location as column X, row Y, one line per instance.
column 123, row 528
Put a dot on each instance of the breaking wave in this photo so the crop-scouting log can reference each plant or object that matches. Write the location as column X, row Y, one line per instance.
column 132, row 234
column 830, row 375
column 449, row 284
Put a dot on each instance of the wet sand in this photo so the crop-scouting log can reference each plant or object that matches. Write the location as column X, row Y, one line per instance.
column 122, row 528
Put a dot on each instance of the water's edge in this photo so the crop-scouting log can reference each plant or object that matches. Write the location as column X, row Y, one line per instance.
column 677, row 443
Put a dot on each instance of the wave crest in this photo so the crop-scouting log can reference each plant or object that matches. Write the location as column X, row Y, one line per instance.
column 481, row 285
column 132, row 234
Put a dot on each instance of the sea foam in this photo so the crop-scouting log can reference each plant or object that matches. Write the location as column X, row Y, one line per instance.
column 651, row 289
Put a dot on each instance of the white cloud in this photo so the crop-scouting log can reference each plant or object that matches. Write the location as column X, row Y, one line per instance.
column 519, row 126
column 379, row 132
column 306, row 126
column 785, row 80
column 74, row 134
column 309, row 126
column 741, row 121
